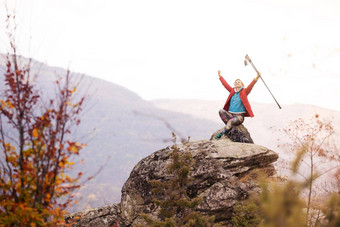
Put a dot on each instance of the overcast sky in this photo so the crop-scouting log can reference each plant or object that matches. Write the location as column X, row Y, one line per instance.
column 173, row 49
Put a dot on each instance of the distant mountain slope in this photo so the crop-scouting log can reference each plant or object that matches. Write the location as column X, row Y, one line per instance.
column 120, row 128
column 265, row 128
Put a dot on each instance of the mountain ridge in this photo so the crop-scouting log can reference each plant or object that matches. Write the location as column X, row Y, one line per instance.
column 119, row 128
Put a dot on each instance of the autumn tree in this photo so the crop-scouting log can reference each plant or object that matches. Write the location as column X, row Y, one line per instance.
column 289, row 203
column 36, row 146
column 316, row 154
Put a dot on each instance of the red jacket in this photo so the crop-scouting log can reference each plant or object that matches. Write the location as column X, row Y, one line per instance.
column 243, row 95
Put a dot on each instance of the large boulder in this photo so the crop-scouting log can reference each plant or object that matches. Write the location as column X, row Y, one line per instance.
column 222, row 175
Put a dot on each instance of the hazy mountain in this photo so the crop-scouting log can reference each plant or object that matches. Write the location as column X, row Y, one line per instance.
column 119, row 128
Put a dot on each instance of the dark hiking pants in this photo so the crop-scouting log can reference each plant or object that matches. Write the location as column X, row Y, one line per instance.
column 230, row 119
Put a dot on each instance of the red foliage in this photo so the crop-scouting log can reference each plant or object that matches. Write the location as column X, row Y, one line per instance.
column 36, row 149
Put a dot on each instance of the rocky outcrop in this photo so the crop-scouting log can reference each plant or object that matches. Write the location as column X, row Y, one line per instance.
column 222, row 175
column 103, row 216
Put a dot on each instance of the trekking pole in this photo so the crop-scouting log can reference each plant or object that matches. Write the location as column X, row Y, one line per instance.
column 247, row 59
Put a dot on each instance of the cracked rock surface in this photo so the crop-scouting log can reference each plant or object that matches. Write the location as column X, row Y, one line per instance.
column 220, row 166
column 222, row 174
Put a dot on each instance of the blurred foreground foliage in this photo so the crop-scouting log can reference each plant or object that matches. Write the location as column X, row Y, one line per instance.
column 297, row 201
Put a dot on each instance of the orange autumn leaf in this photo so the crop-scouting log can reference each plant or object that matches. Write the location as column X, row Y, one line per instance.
column 35, row 133
column 73, row 149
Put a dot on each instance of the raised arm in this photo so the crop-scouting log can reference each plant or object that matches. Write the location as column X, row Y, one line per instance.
column 224, row 83
column 251, row 85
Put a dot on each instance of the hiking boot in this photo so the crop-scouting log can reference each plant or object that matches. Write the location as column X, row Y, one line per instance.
column 219, row 135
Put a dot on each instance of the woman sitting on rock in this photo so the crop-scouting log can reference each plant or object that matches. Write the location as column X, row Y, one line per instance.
column 237, row 105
